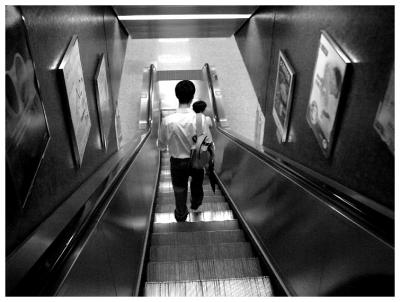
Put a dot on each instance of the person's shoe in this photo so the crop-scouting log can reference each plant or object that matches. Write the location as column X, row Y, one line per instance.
column 195, row 207
column 180, row 218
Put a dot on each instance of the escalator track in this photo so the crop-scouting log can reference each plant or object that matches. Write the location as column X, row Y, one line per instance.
column 208, row 255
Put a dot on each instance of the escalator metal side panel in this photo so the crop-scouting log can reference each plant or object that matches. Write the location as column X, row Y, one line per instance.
column 315, row 250
column 112, row 257
column 111, row 262
column 23, row 263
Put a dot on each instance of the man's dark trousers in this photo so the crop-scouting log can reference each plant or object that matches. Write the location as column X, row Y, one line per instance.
column 180, row 172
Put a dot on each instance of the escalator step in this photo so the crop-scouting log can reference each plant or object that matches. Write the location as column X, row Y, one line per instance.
column 170, row 198
column 197, row 238
column 203, row 269
column 170, row 194
column 167, row 179
column 167, row 189
column 195, row 216
column 206, row 206
column 198, row 252
column 232, row 287
column 195, row 226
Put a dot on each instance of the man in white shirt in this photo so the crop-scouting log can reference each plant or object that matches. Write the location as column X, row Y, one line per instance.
column 176, row 132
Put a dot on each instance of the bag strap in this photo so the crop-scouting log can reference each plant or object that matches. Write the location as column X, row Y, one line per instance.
column 199, row 142
column 199, row 126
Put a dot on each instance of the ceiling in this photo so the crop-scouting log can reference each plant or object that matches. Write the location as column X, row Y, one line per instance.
column 186, row 26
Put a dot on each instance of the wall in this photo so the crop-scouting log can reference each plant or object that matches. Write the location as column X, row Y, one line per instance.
column 49, row 30
column 360, row 160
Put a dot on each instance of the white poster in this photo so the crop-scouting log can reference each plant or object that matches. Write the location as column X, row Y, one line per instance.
column 71, row 68
column 326, row 89
column 104, row 106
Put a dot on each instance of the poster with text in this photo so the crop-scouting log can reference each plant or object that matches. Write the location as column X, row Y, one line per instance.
column 72, row 73
column 326, row 88
column 283, row 96
column 27, row 131
column 104, row 105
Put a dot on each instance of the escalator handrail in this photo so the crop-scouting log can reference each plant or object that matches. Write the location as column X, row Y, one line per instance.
column 150, row 90
column 63, row 244
column 217, row 106
column 359, row 209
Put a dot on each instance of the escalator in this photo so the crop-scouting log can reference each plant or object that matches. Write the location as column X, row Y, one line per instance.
column 208, row 255
column 269, row 229
column 272, row 228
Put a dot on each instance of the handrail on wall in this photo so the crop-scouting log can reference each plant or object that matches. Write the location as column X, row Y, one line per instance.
column 215, row 95
column 146, row 95
column 377, row 220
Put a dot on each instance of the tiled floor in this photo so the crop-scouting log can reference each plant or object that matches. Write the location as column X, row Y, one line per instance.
column 238, row 93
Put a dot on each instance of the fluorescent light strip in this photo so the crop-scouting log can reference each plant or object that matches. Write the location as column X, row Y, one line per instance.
column 173, row 40
column 184, row 17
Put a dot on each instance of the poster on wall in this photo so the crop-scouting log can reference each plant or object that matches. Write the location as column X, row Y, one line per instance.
column 27, row 131
column 71, row 70
column 283, row 96
column 118, row 130
column 260, row 125
column 327, row 82
column 384, row 120
column 104, row 106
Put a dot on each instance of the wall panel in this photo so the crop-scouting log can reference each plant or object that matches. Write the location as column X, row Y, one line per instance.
column 360, row 160
column 50, row 29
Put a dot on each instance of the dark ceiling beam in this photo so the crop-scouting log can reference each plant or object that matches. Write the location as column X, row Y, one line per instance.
column 181, row 9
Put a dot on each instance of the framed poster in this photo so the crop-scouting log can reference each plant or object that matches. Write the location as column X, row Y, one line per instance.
column 104, row 106
column 327, row 82
column 260, row 125
column 283, row 96
column 71, row 70
column 384, row 120
column 118, row 130
column 27, row 131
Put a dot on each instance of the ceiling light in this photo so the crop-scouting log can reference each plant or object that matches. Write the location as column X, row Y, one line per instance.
column 173, row 40
column 184, row 17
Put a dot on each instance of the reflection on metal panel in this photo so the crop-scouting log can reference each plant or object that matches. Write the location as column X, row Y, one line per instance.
column 316, row 250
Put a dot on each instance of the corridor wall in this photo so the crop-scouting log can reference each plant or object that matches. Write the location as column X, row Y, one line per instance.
column 49, row 30
column 360, row 160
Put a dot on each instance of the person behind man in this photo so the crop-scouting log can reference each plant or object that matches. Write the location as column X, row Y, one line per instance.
column 176, row 132
column 199, row 107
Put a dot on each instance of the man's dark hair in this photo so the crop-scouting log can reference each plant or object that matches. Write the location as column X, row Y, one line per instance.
column 199, row 106
column 184, row 91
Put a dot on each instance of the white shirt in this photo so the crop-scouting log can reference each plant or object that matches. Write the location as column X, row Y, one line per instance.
column 176, row 132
